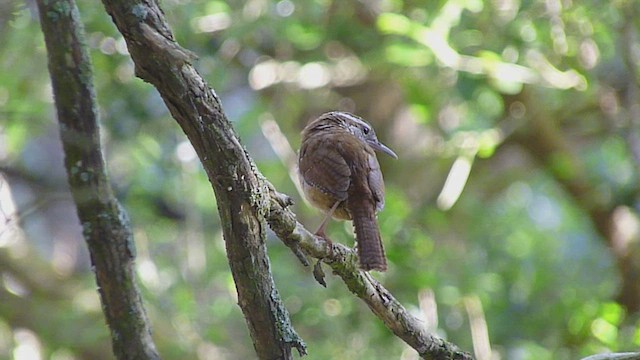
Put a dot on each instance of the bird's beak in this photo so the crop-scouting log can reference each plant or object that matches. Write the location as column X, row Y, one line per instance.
column 377, row 145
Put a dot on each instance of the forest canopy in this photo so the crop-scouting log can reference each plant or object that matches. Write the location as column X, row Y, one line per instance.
column 511, row 220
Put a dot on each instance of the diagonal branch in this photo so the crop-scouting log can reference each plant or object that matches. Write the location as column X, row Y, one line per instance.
column 245, row 199
column 160, row 61
column 343, row 262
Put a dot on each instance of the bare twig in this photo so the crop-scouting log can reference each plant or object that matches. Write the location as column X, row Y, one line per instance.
column 160, row 61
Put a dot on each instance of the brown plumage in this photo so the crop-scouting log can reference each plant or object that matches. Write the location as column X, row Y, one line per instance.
column 341, row 176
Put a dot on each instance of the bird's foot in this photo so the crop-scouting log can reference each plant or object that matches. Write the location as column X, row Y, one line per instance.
column 318, row 273
column 328, row 243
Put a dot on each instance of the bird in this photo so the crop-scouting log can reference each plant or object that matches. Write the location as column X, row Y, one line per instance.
column 340, row 174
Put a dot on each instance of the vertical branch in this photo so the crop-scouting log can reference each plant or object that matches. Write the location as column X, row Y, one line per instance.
column 105, row 224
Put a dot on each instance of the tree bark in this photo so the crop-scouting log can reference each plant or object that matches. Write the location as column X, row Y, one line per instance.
column 106, row 227
column 241, row 196
column 245, row 199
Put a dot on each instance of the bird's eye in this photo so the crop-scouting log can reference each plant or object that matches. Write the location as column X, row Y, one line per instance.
column 366, row 130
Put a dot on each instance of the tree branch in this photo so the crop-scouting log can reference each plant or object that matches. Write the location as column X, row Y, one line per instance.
column 245, row 198
column 160, row 61
column 105, row 224
column 614, row 356
column 343, row 261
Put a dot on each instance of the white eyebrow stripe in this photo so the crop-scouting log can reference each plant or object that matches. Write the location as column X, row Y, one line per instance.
column 354, row 119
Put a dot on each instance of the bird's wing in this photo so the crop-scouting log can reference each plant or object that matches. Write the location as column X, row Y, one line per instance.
column 327, row 170
column 376, row 183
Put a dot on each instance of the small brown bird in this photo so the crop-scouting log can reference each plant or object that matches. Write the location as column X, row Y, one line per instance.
column 341, row 176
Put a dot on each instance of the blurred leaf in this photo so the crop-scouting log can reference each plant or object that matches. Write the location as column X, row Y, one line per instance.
column 304, row 38
column 604, row 331
column 613, row 313
column 394, row 24
column 406, row 55
column 515, row 238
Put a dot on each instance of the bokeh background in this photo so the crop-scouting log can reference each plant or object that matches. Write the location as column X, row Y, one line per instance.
column 511, row 222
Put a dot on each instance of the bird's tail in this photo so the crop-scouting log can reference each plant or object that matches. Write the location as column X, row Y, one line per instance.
column 370, row 249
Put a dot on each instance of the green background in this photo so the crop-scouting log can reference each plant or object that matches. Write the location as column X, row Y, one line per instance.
column 529, row 110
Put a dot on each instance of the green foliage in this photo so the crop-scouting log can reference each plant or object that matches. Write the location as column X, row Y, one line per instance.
column 440, row 81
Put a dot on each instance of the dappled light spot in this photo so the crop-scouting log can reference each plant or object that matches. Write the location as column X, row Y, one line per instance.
column 626, row 229
column 455, row 182
column 212, row 23
column 506, row 9
column 207, row 350
column 28, row 346
column 263, row 75
column 589, row 54
column 64, row 257
column 347, row 71
column 87, row 300
column 332, row 307
column 313, row 75
column 288, row 71
column 108, row 46
column 185, row 152
column 14, row 285
column 285, row 8
column 604, row 331
column 429, row 309
column 528, row 31
column 253, row 9
column 148, row 273
column 125, row 72
column 121, row 46
column 344, row 71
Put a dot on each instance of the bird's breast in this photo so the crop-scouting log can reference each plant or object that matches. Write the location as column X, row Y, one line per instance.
column 324, row 201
